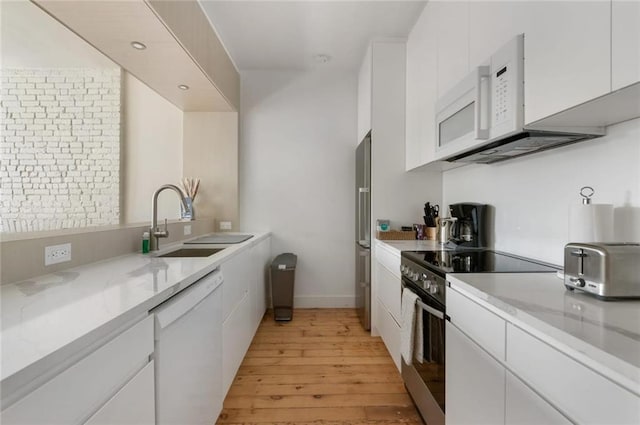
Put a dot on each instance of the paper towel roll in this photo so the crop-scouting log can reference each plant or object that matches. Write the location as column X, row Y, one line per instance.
column 591, row 223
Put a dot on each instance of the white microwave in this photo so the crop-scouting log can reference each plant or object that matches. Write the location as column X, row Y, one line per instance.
column 487, row 104
column 481, row 120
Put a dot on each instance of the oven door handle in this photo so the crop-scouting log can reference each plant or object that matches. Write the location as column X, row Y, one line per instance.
column 430, row 310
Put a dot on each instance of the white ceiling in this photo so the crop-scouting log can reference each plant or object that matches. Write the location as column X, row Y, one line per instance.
column 288, row 34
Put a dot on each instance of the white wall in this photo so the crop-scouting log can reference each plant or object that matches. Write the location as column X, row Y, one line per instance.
column 152, row 146
column 297, row 160
column 211, row 154
column 531, row 195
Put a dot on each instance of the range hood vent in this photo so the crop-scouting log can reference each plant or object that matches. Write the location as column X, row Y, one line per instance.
column 520, row 144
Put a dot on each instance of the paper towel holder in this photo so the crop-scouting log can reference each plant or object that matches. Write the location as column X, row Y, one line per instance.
column 587, row 192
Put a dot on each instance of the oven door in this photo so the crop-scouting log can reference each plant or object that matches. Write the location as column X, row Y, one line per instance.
column 425, row 378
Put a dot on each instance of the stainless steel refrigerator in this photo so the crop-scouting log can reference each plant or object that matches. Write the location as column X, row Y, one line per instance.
column 363, row 231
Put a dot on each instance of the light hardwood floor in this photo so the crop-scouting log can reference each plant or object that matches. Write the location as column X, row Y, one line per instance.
column 320, row 368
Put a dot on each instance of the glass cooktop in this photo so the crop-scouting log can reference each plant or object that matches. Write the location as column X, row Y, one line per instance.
column 475, row 261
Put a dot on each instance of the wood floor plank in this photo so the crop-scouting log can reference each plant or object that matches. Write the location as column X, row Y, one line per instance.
column 240, row 388
column 321, row 368
column 298, row 361
column 317, row 401
column 365, row 378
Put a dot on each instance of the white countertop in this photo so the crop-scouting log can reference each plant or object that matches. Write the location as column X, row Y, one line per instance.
column 410, row 245
column 604, row 335
column 46, row 319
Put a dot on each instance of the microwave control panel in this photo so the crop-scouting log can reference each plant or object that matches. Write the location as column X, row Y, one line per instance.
column 501, row 89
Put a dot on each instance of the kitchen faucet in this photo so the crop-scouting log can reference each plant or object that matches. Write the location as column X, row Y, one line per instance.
column 155, row 232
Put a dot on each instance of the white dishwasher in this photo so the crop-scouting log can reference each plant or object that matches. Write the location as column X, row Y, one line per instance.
column 188, row 354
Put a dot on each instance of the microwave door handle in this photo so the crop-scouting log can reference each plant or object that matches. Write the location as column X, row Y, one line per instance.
column 483, row 102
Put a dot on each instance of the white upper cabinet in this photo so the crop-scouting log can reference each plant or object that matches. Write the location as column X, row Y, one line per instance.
column 364, row 96
column 491, row 26
column 452, row 26
column 625, row 43
column 567, row 50
column 422, row 90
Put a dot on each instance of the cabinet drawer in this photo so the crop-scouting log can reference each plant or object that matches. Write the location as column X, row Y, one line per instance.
column 134, row 404
column 525, row 407
column 584, row 395
column 388, row 259
column 389, row 290
column 390, row 333
column 70, row 397
column 237, row 332
column 237, row 273
column 484, row 327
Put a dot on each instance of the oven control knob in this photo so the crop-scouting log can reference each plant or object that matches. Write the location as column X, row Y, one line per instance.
column 433, row 289
column 414, row 275
column 427, row 284
column 403, row 268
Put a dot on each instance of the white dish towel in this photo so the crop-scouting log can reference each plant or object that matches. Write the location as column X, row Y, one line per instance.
column 411, row 327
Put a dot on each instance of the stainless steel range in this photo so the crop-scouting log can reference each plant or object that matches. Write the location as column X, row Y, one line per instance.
column 423, row 272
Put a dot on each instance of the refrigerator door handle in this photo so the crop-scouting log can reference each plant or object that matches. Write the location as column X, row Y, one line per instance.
column 361, row 191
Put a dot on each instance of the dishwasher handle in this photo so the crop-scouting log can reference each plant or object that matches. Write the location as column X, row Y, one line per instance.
column 185, row 301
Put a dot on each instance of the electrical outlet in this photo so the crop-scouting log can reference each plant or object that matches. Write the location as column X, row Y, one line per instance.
column 187, row 229
column 55, row 254
column 225, row 225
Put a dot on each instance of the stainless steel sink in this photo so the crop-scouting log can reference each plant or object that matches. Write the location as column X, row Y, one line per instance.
column 192, row 252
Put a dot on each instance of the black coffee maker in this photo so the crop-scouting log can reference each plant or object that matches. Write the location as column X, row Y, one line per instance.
column 469, row 230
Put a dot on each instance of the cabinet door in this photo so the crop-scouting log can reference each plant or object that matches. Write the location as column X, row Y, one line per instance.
column 237, row 333
column 134, row 404
column 262, row 258
column 389, row 332
column 237, row 272
column 389, row 290
column 474, row 382
column 625, row 43
column 567, row 50
column 491, row 25
column 422, row 90
column 452, row 26
column 364, row 95
column 524, row 407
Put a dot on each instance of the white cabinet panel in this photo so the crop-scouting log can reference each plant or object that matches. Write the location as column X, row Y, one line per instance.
column 575, row 389
column 262, row 259
column 452, row 26
column 364, row 95
column 475, row 382
column 389, row 290
column 74, row 394
column 388, row 259
column 525, row 407
column 133, row 405
column 625, row 43
column 491, row 26
column 484, row 327
column 389, row 332
column 567, row 50
column 422, row 90
column 237, row 333
column 237, row 275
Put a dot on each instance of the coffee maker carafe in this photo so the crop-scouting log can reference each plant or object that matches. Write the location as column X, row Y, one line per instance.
column 469, row 229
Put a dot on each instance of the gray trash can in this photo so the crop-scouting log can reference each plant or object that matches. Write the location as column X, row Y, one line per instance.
column 283, row 274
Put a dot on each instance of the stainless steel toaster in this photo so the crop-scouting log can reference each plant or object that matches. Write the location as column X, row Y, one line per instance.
column 606, row 270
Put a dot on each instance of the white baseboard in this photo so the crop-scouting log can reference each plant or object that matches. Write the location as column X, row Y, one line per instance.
column 324, row 301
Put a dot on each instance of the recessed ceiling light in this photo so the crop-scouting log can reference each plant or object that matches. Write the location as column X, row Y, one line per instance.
column 322, row 58
column 183, row 87
column 138, row 45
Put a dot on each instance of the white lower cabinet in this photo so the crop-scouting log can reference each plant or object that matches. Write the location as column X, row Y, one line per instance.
column 524, row 407
column 475, row 382
column 389, row 332
column 85, row 387
column 132, row 405
column 261, row 254
column 386, row 302
column 237, row 332
column 533, row 384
